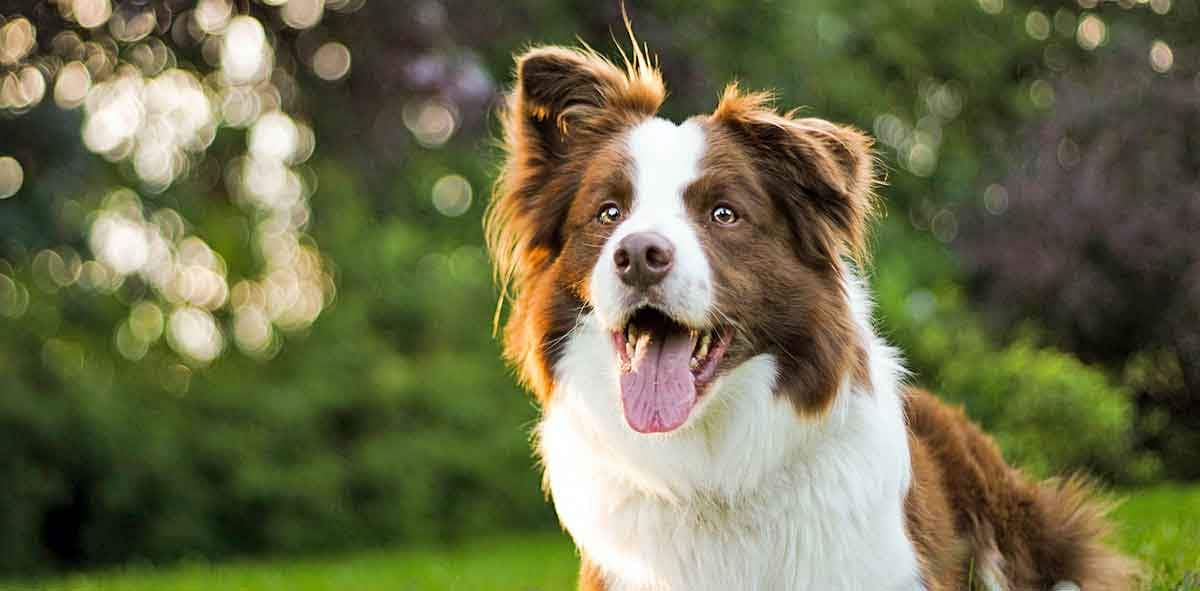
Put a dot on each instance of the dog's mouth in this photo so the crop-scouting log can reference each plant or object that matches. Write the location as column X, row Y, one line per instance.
column 665, row 367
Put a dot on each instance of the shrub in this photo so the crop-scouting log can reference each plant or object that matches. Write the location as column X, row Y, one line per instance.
column 1101, row 225
column 1049, row 412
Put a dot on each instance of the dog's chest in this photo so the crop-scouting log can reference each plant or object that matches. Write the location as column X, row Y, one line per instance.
column 794, row 533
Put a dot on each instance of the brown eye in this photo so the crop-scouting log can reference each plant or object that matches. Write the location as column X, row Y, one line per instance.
column 609, row 214
column 724, row 215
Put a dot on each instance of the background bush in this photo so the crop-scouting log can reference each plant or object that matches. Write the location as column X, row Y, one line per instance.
column 390, row 419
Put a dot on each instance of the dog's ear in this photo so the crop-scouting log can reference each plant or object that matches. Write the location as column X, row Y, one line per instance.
column 565, row 102
column 822, row 174
column 566, row 96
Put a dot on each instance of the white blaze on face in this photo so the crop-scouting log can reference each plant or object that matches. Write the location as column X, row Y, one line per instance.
column 666, row 159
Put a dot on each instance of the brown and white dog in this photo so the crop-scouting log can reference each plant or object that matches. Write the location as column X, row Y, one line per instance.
column 718, row 411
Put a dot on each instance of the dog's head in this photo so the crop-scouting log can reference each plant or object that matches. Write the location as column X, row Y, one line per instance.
column 694, row 247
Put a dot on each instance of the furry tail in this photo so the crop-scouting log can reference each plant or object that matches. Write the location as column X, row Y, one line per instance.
column 1072, row 548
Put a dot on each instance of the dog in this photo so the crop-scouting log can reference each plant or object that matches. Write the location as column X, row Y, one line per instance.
column 718, row 412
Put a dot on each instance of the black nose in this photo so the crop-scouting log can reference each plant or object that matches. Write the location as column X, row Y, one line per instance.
column 643, row 259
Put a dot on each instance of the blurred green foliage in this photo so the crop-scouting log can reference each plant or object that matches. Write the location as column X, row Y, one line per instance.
column 391, row 418
column 1050, row 413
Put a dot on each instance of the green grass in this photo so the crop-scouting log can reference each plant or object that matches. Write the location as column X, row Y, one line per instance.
column 538, row 562
column 1161, row 526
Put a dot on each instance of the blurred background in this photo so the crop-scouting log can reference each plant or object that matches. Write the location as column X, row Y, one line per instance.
column 245, row 307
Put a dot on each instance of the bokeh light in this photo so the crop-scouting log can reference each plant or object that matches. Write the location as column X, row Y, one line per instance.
column 14, row 298
column 1037, row 24
column 74, row 83
column 992, row 6
column 12, row 176
column 431, row 122
column 91, row 14
column 995, row 199
column 211, row 16
column 452, row 195
column 331, row 61
column 17, row 39
column 302, row 14
column 1161, row 57
column 1041, row 94
column 1092, row 32
column 245, row 55
column 193, row 333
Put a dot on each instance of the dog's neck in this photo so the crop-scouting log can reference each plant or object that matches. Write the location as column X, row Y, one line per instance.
column 743, row 434
column 749, row 467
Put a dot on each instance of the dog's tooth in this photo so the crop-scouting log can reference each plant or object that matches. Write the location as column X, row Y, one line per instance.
column 694, row 363
column 629, row 349
column 702, row 352
column 642, row 340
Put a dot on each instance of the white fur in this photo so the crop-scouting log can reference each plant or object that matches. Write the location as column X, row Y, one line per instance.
column 666, row 158
column 747, row 495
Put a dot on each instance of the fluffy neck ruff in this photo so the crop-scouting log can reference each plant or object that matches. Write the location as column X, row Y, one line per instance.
column 749, row 474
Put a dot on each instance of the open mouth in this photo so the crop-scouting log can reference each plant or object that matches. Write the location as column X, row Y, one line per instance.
column 664, row 368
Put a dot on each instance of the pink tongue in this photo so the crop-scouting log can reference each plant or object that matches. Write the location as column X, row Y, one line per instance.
column 659, row 392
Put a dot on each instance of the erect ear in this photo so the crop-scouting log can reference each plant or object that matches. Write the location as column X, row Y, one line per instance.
column 565, row 95
column 564, row 99
column 821, row 172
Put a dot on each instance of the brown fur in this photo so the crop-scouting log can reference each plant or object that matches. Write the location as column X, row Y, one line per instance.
column 804, row 191
column 814, row 180
column 1045, row 532
column 567, row 103
column 590, row 577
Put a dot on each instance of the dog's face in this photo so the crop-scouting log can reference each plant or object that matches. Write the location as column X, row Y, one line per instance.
column 694, row 247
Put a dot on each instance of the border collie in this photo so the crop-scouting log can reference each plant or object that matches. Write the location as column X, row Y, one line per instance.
column 718, row 412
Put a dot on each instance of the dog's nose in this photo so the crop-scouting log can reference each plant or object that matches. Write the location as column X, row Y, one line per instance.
column 643, row 259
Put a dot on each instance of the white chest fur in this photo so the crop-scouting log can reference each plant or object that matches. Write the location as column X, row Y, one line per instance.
column 748, row 496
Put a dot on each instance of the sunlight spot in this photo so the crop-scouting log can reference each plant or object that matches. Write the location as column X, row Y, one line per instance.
column 431, row 122
column 193, row 333
column 273, row 137
column 332, row 61
column 1037, row 25
column 120, row 243
column 91, row 13
column 1161, row 57
column 12, row 176
column 146, row 321
column 992, row 6
column 14, row 298
column 245, row 55
column 302, row 14
column 17, row 39
column 452, row 195
column 252, row 329
column 212, row 15
column 1092, row 32
column 995, row 199
column 1041, row 94
column 74, row 82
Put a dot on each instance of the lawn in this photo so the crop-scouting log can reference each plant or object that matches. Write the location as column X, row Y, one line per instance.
column 1160, row 525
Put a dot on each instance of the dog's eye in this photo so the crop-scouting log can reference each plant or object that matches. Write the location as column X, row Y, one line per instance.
column 724, row 215
column 609, row 214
